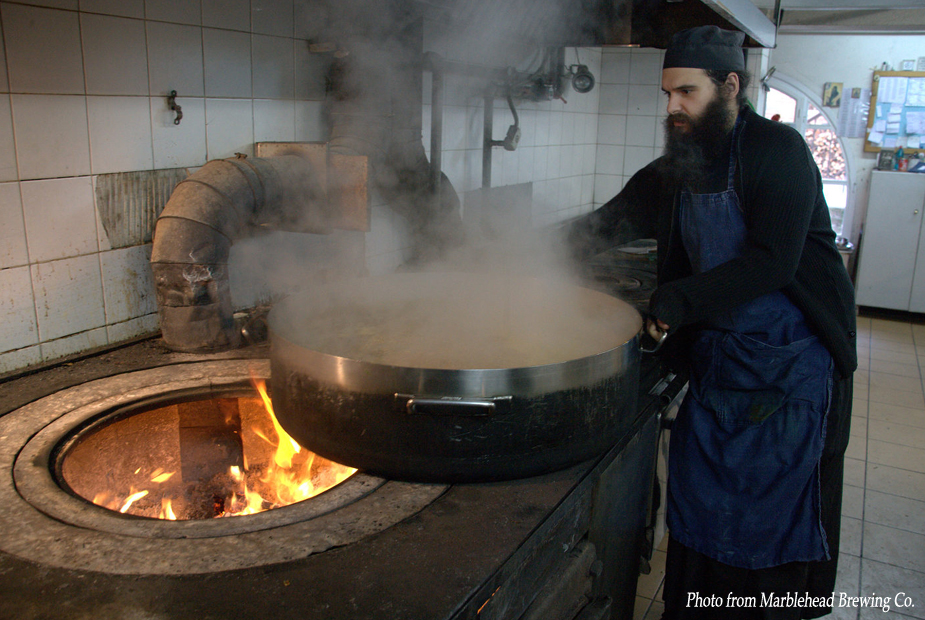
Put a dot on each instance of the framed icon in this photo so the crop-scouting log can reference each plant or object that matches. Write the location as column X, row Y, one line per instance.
column 831, row 96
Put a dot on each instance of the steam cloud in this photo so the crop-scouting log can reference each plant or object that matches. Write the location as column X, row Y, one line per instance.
column 374, row 106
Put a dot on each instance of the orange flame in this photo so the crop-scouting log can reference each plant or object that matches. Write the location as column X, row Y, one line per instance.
column 167, row 510
column 292, row 475
column 289, row 477
column 286, row 448
column 131, row 499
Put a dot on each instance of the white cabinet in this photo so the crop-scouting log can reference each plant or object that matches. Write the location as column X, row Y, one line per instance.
column 891, row 272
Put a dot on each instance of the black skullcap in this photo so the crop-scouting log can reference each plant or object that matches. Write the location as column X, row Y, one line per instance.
column 706, row 47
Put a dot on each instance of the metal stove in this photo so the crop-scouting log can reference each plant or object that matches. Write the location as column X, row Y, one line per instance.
column 627, row 272
column 564, row 545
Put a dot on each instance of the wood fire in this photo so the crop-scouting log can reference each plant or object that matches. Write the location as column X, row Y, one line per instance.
column 218, row 457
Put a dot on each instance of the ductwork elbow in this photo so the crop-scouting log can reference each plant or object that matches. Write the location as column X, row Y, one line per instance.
column 206, row 213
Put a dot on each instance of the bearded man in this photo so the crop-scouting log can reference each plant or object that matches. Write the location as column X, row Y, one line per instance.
column 760, row 313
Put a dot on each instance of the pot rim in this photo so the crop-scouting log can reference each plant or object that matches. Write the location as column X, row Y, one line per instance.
column 529, row 381
column 358, row 375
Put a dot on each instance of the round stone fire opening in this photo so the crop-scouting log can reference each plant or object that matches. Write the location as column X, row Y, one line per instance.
column 59, row 452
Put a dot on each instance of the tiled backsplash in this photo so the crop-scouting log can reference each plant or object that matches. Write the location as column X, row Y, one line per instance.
column 556, row 151
column 629, row 126
column 83, row 92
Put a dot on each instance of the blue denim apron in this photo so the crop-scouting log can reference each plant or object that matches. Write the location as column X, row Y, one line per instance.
column 743, row 484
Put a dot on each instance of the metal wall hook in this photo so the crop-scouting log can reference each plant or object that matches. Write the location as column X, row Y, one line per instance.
column 172, row 103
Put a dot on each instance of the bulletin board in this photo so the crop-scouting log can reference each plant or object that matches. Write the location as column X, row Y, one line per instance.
column 897, row 112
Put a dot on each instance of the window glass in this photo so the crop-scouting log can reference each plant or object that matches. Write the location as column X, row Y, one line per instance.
column 796, row 110
column 827, row 152
column 778, row 103
column 836, row 197
column 814, row 116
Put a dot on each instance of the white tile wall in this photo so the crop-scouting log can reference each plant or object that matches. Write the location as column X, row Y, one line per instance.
column 68, row 296
column 90, row 339
column 645, row 67
column 59, row 218
column 56, row 4
column 635, row 158
column 52, row 137
column 643, row 99
column 124, row 8
column 229, row 14
column 229, row 127
column 115, row 57
column 42, row 49
column 272, row 17
column 178, row 146
column 610, row 159
column 120, row 134
column 274, row 120
column 140, row 326
column 587, row 189
column 87, row 88
column 306, row 13
column 273, row 67
column 128, row 287
column 660, row 132
column 174, row 59
column 176, row 11
column 641, row 132
column 17, row 309
column 310, row 72
column 557, row 149
column 13, row 252
column 227, row 63
column 4, row 76
column 611, row 129
column 84, row 87
column 310, row 125
column 606, row 186
column 7, row 149
column 20, row 358
column 615, row 66
column 614, row 98
column 630, row 131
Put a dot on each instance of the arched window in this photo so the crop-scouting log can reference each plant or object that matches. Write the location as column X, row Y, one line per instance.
column 790, row 105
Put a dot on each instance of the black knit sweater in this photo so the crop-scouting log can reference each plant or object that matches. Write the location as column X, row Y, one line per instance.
column 790, row 243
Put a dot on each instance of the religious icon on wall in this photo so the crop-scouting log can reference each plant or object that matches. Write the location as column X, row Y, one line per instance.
column 831, row 95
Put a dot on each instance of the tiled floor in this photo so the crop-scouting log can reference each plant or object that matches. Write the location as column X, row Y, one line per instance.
column 883, row 513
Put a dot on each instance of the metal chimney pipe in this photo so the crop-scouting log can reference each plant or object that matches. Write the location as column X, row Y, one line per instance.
column 207, row 212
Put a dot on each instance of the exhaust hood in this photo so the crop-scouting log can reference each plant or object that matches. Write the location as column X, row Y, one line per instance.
column 593, row 23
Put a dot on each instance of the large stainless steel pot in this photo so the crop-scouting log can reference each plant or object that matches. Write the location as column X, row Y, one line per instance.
column 454, row 377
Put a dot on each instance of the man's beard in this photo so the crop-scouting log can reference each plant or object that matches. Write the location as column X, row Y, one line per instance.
column 690, row 150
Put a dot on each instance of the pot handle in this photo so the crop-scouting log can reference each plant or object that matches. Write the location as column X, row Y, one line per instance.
column 453, row 406
column 658, row 343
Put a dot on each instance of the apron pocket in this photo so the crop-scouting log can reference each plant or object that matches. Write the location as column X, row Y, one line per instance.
column 725, row 479
column 753, row 379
